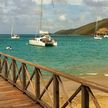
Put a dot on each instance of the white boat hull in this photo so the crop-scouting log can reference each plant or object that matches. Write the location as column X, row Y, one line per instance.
column 105, row 36
column 15, row 36
column 37, row 43
column 40, row 43
column 43, row 40
column 97, row 37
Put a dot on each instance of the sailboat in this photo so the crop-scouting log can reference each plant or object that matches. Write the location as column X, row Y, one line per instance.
column 97, row 36
column 44, row 38
column 105, row 36
column 13, row 35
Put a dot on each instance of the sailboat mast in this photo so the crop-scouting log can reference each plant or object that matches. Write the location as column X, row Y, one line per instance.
column 12, row 30
column 96, row 25
column 41, row 15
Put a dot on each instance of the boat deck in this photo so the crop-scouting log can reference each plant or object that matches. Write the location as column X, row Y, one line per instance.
column 11, row 97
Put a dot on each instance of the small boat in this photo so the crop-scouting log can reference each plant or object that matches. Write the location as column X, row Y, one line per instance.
column 105, row 36
column 43, row 40
column 15, row 36
column 97, row 37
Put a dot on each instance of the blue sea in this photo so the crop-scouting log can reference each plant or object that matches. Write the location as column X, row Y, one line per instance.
column 80, row 55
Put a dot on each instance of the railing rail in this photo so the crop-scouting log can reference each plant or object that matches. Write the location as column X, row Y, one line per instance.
column 30, row 82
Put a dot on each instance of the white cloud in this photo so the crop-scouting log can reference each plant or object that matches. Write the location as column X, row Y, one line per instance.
column 75, row 2
column 44, row 1
column 71, row 2
column 62, row 18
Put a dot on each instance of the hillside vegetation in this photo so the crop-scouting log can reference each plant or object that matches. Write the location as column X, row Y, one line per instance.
column 88, row 29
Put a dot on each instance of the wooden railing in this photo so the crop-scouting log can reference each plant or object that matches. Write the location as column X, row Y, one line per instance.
column 45, row 85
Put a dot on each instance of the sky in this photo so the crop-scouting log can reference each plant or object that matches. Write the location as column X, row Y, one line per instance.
column 24, row 15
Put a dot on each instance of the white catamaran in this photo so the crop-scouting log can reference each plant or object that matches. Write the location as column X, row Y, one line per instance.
column 43, row 38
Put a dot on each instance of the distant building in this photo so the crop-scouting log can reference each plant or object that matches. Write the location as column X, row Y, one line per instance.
column 102, row 31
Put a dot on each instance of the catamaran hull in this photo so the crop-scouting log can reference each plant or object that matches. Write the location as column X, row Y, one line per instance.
column 36, row 43
column 15, row 37
column 40, row 43
column 97, row 37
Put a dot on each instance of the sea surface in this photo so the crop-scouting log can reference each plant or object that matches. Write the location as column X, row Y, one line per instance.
column 80, row 55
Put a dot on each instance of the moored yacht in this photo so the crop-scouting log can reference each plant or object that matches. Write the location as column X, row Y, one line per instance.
column 97, row 37
column 44, row 39
column 15, row 36
column 105, row 36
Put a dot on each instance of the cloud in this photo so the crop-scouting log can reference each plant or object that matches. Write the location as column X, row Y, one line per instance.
column 71, row 2
column 62, row 18
column 97, row 7
column 65, row 14
column 96, row 3
column 44, row 1
column 75, row 2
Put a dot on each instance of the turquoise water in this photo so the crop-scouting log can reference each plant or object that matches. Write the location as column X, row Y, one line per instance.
column 80, row 55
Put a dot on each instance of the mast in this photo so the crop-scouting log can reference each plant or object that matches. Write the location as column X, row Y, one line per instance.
column 96, row 27
column 41, row 15
column 12, row 29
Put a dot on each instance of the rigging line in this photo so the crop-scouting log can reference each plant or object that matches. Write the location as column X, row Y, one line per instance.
column 53, row 3
column 41, row 15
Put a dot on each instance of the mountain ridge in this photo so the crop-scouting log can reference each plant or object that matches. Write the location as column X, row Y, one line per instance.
column 88, row 29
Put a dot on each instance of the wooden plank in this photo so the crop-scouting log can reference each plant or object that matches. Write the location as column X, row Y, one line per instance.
column 11, row 97
column 85, row 97
column 37, row 83
column 55, row 92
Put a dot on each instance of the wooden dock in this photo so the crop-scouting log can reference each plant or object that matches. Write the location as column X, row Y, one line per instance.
column 26, row 85
column 11, row 97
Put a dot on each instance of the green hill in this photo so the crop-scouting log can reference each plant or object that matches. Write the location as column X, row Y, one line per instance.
column 88, row 29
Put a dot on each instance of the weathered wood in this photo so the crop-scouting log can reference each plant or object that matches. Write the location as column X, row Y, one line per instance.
column 55, row 91
column 46, row 87
column 11, row 97
column 85, row 97
column 9, row 70
column 30, row 79
column 6, row 68
column 14, row 71
column 37, row 97
column 0, row 63
column 37, row 83
column 24, row 76
column 18, row 73
column 93, row 98
column 59, row 73
column 72, row 97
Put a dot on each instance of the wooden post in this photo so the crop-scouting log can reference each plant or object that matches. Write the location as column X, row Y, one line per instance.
column 85, row 97
column 37, row 83
column 55, row 92
column 6, row 68
column 24, row 77
column 13, row 71
column 0, row 63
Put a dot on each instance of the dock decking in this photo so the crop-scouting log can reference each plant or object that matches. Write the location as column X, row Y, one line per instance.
column 23, row 83
column 11, row 97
